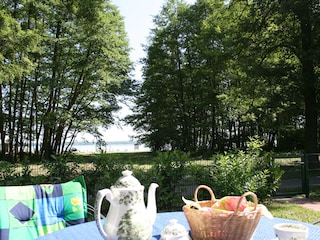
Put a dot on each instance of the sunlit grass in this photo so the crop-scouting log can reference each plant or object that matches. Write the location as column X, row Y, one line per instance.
column 293, row 212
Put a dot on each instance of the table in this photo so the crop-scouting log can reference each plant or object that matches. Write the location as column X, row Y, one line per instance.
column 89, row 230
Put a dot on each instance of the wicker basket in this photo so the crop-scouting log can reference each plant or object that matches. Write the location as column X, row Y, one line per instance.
column 226, row 225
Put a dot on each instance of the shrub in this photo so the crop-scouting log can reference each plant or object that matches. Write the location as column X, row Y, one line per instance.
column 60, row 168
column 105, row 172
column 15, row 174
column 6, row 172
column 169, row 172
column 237, row 171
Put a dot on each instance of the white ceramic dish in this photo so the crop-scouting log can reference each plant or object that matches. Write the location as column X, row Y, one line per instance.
column 291, row 231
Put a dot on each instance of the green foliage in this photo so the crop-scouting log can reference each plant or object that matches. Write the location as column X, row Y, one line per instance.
column 231, row 69
column 6, row 171
column 236, row 172
column 176, row 173
column 168, row 171
column 16, row 43
column 65, row 64
column 105, row 171
column 16, row 174
column 60, row 169
column 25, row 174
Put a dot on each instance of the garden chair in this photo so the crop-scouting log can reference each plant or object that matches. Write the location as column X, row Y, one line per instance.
column 91, row 215
column 28, row 212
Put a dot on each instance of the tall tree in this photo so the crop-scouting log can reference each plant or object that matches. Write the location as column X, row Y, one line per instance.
column 220, row 71
column 82, row 65
column 15, row 64
column 177, row 105
column 297, row 32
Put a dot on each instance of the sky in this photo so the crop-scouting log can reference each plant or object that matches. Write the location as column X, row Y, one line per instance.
column 138, row 15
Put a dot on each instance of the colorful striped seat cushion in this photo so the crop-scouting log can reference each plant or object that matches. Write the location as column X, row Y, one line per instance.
column 27, row 212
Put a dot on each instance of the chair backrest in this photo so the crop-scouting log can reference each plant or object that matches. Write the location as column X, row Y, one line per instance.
column 27, row 212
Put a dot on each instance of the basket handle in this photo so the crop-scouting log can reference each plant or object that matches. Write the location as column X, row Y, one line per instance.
column 213, row 198
column 255, row 199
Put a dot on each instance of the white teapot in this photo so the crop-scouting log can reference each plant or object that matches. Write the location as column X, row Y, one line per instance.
column 128, row 217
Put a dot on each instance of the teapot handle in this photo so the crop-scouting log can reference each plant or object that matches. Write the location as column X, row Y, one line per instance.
column 97, row 211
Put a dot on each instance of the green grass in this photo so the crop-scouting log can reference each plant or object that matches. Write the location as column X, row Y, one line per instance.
column 293, row 212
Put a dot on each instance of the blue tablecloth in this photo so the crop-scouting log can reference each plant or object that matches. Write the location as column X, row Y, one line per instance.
column 89, row 230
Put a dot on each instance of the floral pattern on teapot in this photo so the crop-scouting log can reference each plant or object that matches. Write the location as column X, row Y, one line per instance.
column 129, row 198
column 132, row 230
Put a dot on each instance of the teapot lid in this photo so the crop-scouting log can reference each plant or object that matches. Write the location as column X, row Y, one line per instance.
column 127, row 181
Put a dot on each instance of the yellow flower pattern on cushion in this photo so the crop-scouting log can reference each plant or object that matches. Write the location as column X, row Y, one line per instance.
column 76, row 204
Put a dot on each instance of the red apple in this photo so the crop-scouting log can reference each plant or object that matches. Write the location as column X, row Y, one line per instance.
column 229, row 203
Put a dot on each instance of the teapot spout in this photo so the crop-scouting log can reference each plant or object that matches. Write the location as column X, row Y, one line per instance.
column 152, row 205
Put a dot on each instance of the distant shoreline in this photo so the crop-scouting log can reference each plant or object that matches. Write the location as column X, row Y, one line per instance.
column 110, row 147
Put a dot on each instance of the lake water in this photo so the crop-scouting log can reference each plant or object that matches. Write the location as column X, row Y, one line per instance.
column 123, row 146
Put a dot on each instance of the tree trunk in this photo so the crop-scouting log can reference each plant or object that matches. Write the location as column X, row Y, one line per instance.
column 3, row 134
column 308, row 77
